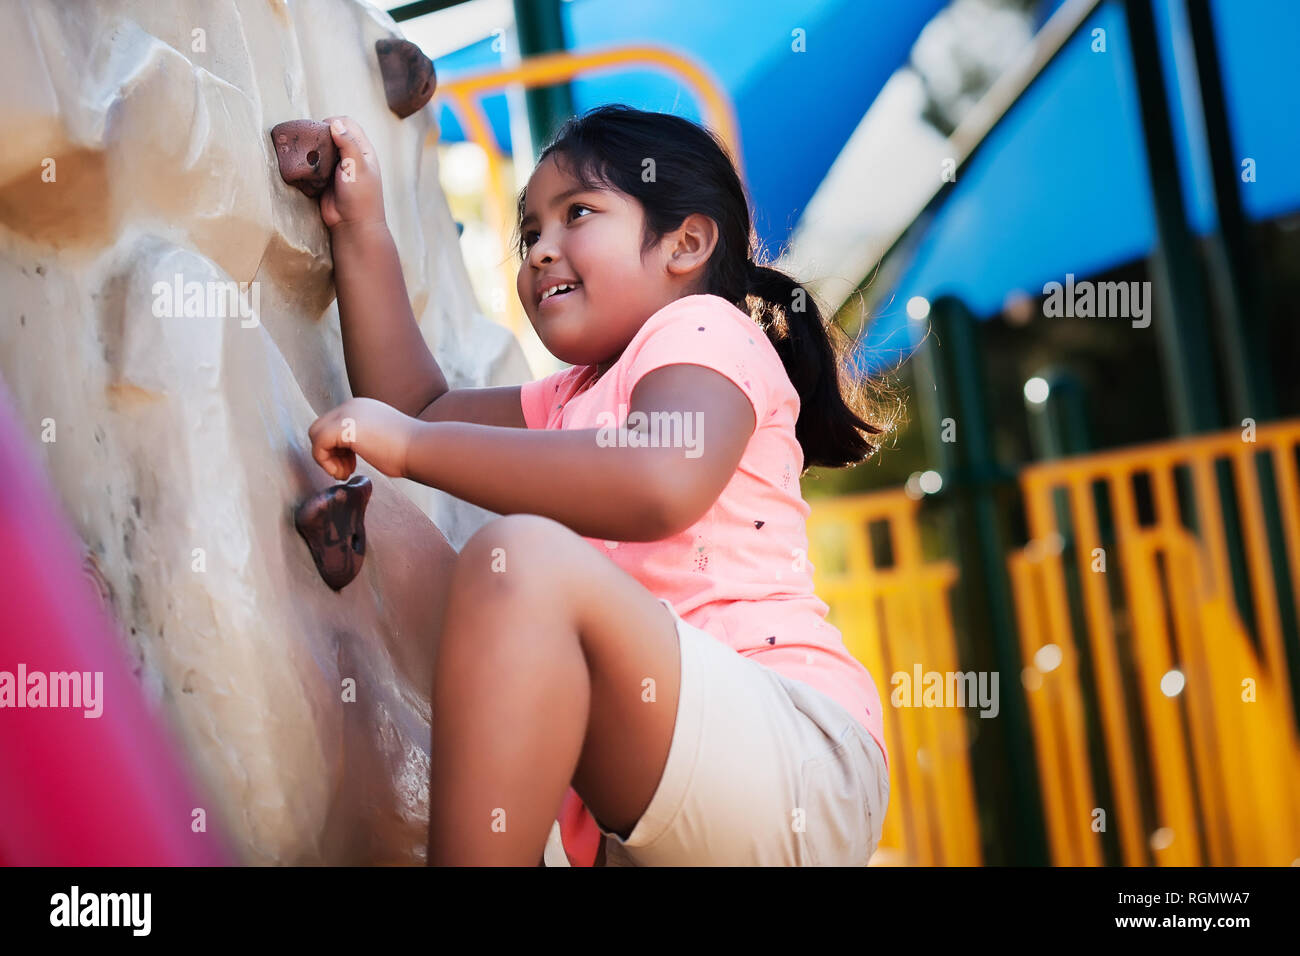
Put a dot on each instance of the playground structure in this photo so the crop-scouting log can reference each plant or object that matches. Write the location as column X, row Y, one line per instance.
column 1157, row 712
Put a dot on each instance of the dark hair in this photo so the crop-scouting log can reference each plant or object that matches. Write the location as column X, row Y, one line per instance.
column 614, row 146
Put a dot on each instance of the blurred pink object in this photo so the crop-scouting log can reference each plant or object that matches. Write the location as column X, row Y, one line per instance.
column 77, row 790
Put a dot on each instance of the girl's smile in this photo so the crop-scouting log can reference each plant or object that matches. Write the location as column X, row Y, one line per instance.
column 553, row 301
column 561, row 291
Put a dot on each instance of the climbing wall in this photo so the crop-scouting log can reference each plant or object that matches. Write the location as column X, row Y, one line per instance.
column 169, row 333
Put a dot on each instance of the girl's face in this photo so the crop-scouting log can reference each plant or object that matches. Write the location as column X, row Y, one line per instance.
column 590, row 239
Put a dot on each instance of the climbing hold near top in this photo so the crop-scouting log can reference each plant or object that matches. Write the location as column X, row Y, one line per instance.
column 409, row 79
column 332, row 522
column 306, row 153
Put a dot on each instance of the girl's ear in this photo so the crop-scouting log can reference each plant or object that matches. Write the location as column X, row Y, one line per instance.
column 692, row 243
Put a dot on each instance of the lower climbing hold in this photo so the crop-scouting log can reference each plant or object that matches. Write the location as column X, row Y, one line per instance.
column 306, row 153
column 409, row 79
column 332, row 523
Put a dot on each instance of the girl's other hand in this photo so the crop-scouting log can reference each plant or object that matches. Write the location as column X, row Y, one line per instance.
column 362, row 426
column 356, row 194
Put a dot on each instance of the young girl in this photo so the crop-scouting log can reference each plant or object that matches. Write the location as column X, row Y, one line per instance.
column 636, row 645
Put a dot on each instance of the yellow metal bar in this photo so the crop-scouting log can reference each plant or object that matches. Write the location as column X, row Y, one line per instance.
column 1153, row 457
column 1063, row 680
column 1110, row 684
column 1150, row 645
column 1260, row 755
column 1049, row 726
column 950, row 760
column 915, row 731
column 1187, row 593
column 866, row 622
column 1210, row 520
column 1269, row 623
column 1224, row 674
column 932, row 720
column 1029, row 620
column 552, row 68
column 964, row 838
column 1288, row 491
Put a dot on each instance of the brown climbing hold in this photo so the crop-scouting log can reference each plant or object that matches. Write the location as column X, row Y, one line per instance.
column 409, row 79
column 306, row 153
column 332, row 523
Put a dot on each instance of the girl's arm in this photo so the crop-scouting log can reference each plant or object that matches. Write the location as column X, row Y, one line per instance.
column 385, row 354
column 598, row 491
column 565, row 475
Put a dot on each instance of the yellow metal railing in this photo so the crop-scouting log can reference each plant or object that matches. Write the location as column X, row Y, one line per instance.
column 1218, row 755
column 895, row 619
column 1193, row 720
column 464, row 93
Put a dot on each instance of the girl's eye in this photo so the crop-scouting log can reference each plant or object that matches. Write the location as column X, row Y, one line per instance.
column 528, row 238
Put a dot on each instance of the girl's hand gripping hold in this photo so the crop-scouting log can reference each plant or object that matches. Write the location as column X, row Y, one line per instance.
column 356, row 195
column 362, row 426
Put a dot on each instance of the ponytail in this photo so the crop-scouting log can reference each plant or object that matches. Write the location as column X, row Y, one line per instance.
column 832, row 431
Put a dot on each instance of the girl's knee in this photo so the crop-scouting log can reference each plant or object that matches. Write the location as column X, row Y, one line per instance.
column 519, row 530
column 525, row 539
column 510, row 552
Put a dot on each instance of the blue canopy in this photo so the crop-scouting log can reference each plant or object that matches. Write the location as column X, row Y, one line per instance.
column 1061, row 186
column 795, row 110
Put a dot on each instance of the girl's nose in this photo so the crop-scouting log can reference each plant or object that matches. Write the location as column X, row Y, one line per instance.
column 542, row 253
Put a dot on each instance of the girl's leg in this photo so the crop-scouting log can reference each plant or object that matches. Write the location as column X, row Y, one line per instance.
column 553, row 667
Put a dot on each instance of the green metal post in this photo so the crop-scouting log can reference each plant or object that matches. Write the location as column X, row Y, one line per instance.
column 1242, row 330
column 540, row 28
column 1181, row 325
column 971, row 479
column 1058, row 425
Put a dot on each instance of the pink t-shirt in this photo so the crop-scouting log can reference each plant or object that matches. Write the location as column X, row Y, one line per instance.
column 741, row 572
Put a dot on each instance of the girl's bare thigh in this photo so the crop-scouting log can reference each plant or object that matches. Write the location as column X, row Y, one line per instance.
column 628, row 639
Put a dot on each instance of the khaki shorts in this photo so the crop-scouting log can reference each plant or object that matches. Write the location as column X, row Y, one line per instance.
column 763, row 770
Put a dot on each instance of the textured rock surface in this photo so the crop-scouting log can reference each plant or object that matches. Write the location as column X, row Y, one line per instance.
column 173, row 422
